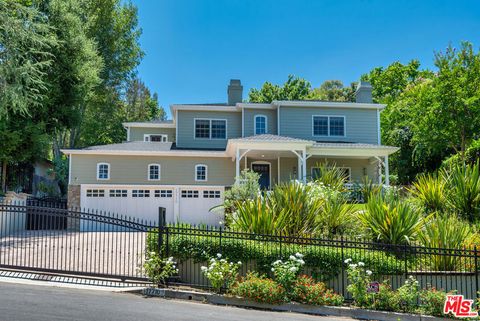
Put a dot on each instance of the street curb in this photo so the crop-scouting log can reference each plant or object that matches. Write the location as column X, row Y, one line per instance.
column 355, row 313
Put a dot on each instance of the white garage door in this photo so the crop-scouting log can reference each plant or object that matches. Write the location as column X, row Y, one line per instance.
column 138, row 202
column 196, row 203
column 183, row 204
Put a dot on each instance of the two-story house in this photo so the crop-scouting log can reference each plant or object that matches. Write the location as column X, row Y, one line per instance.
column 186, row 164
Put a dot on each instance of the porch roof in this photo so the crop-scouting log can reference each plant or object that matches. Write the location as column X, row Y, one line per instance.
column 350, row 149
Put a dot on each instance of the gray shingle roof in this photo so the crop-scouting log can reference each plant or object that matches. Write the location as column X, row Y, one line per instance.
column 134, row 146
column 350, row 145
column 270, row 138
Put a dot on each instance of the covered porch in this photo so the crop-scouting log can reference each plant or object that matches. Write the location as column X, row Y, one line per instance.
column 281, row 159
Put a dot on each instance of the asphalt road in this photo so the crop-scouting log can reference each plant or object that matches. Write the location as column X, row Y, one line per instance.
column 20, row 302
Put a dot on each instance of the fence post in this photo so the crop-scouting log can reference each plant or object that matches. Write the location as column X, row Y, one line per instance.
column 343, row 266
column 220, row 241
column 405, row 260
column 161, row 227
column 476, row 269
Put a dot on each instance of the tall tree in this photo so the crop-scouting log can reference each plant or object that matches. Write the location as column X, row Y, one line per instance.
column 294, row 88
column 333, row 90
column 140, row 105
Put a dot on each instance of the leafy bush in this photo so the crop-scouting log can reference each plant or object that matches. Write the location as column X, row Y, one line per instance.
column 432, row 301
column 464, row 184
column 386, row 299
column 431, row 191
column 358, row 278
column 286, row 273
column 159, row 269
column 445, row 232
column 260, row 289
column 392, row 221
column 220, row 272
column 408, row 295
column 307, row 291
column 366, row 188
column 323, row 260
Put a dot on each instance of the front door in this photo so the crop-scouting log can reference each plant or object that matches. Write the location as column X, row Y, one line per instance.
column 264, row 171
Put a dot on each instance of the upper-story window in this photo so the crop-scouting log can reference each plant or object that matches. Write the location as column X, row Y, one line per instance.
column 154, row 172
column 260, row 124
column 103, row 171
column 211, row 128
column 329, row 126
column 201, row 173
column 155, row 138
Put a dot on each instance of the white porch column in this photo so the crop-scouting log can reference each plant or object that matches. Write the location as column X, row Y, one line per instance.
column 299, row 167
column 237, row 164
column 304, row 166
column 278, row 170
column 379, row 171
column 387, row 178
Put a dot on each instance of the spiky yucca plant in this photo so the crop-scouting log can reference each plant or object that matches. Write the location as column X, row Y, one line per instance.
column 445, row 234
column 392, row 221
column 337, row 215
column 331, row 175
column 464, row 185
column 431, row 191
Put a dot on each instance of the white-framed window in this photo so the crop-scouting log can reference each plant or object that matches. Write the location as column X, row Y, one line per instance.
column 260, row 124
column 347, row 172
column 201, row 173
column 211, row 194
column 140, row 193
column 103, row 171
column 118, row 193
column 95, row 193
column 154, row 172
column 189, row 194
column 164, row 193
column 330, row 126
column 155, row 138
column 210, row 128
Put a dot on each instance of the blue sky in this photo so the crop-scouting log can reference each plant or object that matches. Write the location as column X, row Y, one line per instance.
column 193, row 47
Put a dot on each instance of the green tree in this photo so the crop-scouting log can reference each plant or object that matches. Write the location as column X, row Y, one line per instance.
column 140, row 105
column 294, row 88
column 26, row 42
column 333, row 90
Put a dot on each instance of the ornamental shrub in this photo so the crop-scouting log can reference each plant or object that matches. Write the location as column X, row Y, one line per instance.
column 386, row 299
column 259, row 289
column 159, row 269
column 307, row 291
column 359, row 278
column 286, row 272
column 220, row 272
column 408, row 295
column 432, row 301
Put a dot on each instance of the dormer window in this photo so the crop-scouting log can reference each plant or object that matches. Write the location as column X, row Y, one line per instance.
column 155, row 138
column 260, row 124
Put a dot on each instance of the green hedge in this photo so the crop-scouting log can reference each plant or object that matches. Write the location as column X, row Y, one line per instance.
column 325, row 262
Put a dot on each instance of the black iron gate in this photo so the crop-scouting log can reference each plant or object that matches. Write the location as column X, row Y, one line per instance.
column 93, row 243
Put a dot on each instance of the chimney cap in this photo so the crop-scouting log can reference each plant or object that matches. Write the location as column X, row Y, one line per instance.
column 364, row 84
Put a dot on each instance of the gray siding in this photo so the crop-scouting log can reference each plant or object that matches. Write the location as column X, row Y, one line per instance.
column 249, row 120
column 360, row 124
column 133, row 170
column 186, row 128
column 136, row 133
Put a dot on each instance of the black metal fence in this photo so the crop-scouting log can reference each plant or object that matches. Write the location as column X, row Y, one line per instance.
column 55, row 239
column 447, row 269
column 42, row 238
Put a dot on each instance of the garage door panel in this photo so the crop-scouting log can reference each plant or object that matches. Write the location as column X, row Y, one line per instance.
column 195, row 206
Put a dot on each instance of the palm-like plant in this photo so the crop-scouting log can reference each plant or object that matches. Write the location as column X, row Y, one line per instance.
column 431, row 191
column 337, row 215
column 445, row 234
column 256, row 216
column 294, row 201
column 331, row 175
column 464, row 184
column 393, row 221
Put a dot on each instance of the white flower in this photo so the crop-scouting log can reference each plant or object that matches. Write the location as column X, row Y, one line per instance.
column 293, row 269
column 368, row 272
column 273, row 269
column 219, row 255
column 292, row 257
column 348, row 261
column 361, row 264
column 299, row 255
column 239, row 263
column 204, row 268
column 353, row 266
column 277, row 262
